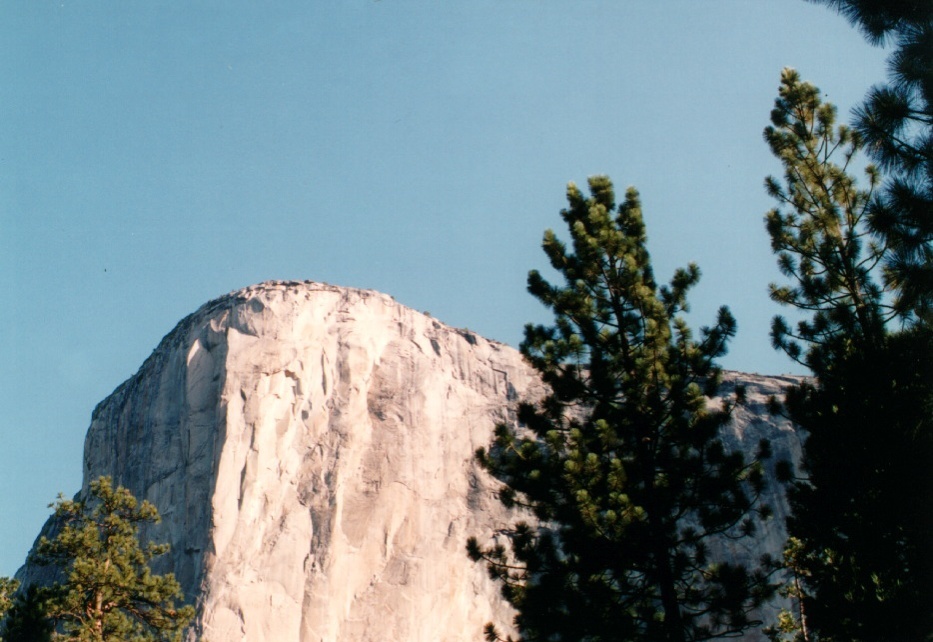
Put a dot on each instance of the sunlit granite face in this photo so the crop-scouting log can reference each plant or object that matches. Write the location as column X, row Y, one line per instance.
column 310, row 449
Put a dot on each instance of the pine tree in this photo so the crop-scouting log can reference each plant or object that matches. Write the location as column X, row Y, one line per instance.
column 820, row 231
column 110, row 593
column 792, row 626
column 8, row 588
column 896, row 122
column 27, row 620
column 860, row 520
column 621, row 463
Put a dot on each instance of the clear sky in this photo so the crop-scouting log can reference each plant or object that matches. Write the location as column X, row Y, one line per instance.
column 155, row 155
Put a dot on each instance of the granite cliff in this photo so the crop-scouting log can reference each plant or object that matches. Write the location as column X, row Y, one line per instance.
column 310, row 450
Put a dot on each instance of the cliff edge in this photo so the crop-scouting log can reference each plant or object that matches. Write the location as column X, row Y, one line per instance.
column 310, row 449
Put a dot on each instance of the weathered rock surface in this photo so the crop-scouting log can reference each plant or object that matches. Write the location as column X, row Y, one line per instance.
column 310, row 450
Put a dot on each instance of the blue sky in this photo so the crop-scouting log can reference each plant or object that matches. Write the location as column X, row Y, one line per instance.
column 156, row 155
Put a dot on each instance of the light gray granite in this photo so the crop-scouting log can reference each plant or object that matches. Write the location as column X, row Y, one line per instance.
column 310, row 449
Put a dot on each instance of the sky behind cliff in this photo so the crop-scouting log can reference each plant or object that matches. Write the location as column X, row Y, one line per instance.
column 156, row 155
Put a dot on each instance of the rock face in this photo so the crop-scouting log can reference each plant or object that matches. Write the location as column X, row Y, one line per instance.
column 310, row 450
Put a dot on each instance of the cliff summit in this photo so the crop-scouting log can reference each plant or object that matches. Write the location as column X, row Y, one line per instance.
column 310, row 449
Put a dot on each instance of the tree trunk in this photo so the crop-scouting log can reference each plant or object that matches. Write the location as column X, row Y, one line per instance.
column 673, row 622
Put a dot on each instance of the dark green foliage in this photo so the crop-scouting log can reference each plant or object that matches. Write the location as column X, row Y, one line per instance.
column 110, row 594
column 621, row 463
column 863, row 511
column 819, row 232
column 880, row 19
column 896, row 121
column 27, row 621
column 860, row 525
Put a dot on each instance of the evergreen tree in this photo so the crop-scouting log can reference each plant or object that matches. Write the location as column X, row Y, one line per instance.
column 860, row 524
column 621, row 463
column 110, row 593
column 8, row 588
column 820, row 231
column 791, row 626
column 896, row 121
column 27, row 620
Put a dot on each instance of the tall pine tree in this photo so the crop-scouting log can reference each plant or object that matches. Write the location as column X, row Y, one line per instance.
column 820, row 232
column 621, row 463
column 110, row 593
column 860, row 524
column 896, row 122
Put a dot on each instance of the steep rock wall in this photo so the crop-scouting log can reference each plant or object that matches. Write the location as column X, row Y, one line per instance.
column 310, row 450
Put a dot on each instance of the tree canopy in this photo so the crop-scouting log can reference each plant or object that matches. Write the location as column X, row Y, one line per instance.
column 621, row 463
column 860, row 526
column 896, row 122
column 8, row 588
column 26, row 620
column 110, row 593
